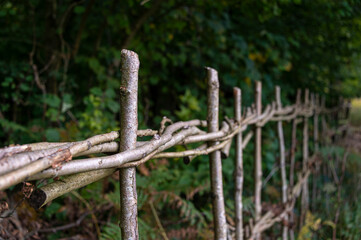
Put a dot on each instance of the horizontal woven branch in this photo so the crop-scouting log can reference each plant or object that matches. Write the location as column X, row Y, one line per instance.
column 45, row 160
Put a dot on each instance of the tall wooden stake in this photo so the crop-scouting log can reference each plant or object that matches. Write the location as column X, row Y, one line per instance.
column 238, row 204
column 128, row 139
column 315, row 142
column 220, row 227
column 292, row 157
column 282, row 160
column 304, row 199
column 258, row 156
column 294, row 141
column 323, row 122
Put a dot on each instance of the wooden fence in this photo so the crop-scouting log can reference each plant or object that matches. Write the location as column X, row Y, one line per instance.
column 48, row 160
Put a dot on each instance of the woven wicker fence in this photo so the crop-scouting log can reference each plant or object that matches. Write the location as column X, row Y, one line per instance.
column 49, row 160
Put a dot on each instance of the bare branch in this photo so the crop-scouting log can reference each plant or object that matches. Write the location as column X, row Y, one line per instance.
column 238, row 172
column 128, row 140
column 55, row 160
column 84, row 165
column 215, row 163
column 282, row 161
column 45, row 194
column 258, row 157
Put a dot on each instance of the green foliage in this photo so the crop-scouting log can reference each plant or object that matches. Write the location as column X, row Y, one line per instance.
column 111, row 232
column 351, row 220
column 73, row 69
column 349, row 206
column 60, row 75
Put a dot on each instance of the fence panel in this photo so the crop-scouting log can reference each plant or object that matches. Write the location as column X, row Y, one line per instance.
column 46, row 160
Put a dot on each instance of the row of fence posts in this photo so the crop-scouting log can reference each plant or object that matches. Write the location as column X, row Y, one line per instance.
column 128, row 137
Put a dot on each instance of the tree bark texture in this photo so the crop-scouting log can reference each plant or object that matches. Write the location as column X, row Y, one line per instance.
column 292, row 158
column 238, row 204
column 258, row 156
column 282, row 161
column 128, row 140
column 316, row 148
column 304, row 199
column 219, row 217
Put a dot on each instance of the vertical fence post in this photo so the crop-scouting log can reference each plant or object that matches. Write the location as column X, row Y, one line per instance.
column 323, row 121
column 315, row 142
column 128, row 139
column 315, row 122
column 220, row 227
column 294, row 141
column 258, row 156
column 292, row 157
column 238, row 204
column 304, row 199
column 282, row 160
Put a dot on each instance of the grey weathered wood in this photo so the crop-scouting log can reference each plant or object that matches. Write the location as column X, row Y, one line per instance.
column 238, row 176
column 258, row 156
column 128, row 140
column 292, row 156
column 282, row 161
column 315, row 102
column 304, row 198
column 219, row 217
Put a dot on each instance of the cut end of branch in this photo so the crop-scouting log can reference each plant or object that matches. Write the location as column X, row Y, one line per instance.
column 236, row 91
column 212, row 77
column 130, row 60
column 37, row 199
column 258, row 86
column 278, row 97
column 186, row 160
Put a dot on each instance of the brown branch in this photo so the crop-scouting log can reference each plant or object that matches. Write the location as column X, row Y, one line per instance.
column 163, row 233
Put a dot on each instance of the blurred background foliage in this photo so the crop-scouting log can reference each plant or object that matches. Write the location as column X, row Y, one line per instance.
column 60, row 75
column 60, row 60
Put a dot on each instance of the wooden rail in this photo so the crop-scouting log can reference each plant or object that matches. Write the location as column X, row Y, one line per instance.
column 48, row 160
